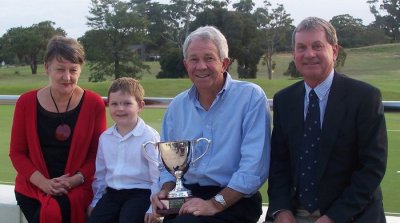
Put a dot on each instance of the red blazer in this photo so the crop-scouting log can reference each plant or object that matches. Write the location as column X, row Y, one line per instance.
column 26, row 154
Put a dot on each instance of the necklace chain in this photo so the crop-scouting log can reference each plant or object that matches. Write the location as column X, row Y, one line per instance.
column 55, row 104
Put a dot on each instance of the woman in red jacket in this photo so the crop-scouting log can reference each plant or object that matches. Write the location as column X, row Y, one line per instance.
column 54, row 140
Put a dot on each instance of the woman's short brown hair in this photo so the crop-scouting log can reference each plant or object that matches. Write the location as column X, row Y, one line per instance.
column 60, row 47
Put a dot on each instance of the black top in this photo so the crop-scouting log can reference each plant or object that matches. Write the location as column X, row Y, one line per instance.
column 55, row 152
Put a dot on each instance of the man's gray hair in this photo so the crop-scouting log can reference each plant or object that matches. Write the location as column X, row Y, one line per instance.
column 208, row 33
column 314, row 23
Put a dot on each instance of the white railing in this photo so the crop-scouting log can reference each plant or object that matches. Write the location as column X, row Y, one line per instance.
column 156, row 102
column 150, row 102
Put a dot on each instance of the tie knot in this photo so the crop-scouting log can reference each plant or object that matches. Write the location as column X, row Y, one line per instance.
column 312, row 96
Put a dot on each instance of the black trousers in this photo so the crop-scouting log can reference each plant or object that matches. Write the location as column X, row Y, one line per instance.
column 246, row 210
column 31, row 207
column 123, row 206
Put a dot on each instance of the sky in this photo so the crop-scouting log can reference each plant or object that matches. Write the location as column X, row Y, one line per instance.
column 71, row 15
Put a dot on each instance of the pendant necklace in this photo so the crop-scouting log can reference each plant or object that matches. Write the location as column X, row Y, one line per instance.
column 63, row 131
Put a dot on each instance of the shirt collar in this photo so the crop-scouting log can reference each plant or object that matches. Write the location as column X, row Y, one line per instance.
column 137, row 131
column 228, row 82
column 323, row 88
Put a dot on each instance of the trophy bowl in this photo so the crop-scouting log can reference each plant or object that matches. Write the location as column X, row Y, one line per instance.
column 176, row 157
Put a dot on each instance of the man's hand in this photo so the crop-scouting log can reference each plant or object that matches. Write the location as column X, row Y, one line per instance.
column 200, row 207
column 284, row 216
column 89, row 211
column 151, row 218
column 162, row 194
column 324, row 219
column 156, row 203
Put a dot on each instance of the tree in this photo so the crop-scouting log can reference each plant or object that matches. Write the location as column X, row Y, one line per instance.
column 28, row 43
column 14, row 42
column 274, row 24
column 179, row 15
column 389, row 22
column 244, row 6
column 341, row 58
column 215, row 4
column 40, row 33
column 172, row 64
column 352, row 33
column 241, row 33
column 350, row 30
column 292, row 71
column 179, row 19
column 158, row 30
column 117, row 27
column 375, row 35
column 246, row 53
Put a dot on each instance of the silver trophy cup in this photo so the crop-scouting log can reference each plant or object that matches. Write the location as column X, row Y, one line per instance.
column 176, row 157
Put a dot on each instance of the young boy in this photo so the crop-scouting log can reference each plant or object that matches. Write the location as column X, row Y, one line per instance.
column 124, row 178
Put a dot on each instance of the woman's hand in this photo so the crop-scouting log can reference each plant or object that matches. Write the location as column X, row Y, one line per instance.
column 56, row 187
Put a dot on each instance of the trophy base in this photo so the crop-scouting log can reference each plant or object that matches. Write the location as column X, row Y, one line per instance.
column 172, row 205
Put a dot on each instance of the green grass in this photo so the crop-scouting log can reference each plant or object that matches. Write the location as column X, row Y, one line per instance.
column 377, row 65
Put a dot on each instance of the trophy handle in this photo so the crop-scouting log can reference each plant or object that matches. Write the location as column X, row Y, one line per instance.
column 145, row 151
column 208, row 146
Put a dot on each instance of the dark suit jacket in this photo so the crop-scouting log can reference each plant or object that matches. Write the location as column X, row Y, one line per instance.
column 352, row 156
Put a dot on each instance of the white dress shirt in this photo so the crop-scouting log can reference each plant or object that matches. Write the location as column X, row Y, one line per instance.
column 122, row 164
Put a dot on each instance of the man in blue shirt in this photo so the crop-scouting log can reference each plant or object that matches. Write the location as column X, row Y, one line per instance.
column 235, row 116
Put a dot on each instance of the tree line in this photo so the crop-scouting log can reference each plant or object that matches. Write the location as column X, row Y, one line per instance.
column 121, row 32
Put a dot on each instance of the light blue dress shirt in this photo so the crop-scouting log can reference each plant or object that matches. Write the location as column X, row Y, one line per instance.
column 239, row 127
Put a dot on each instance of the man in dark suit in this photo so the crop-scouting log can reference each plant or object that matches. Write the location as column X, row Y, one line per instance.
column 341, row 181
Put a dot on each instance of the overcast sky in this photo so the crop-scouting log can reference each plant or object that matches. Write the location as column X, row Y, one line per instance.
column 71, row 15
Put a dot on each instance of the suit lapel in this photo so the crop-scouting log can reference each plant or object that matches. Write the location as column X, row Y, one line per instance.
column 334, row 112
column 296, row 120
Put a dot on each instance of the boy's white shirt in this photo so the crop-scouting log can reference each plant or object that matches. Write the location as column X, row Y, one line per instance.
column 127, row 165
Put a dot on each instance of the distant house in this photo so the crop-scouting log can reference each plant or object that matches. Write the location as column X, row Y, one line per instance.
column 154, row 57
column 140, row 49
column 143, row 53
